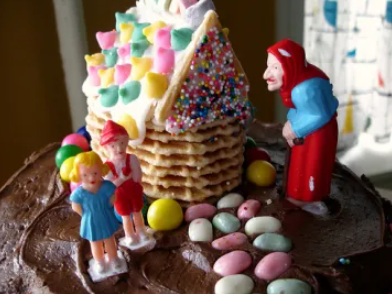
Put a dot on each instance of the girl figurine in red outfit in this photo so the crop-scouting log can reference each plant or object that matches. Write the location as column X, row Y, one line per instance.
column 307, row 92
column 126, row 174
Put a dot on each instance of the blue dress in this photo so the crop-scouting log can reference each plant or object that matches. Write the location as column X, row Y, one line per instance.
column 98, row 219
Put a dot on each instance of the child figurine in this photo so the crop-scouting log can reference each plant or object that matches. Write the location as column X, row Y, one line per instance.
column 126, row 174
column 311, row 120
column 93, row 201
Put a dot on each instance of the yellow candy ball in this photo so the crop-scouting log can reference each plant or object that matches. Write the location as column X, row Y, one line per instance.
column 129, row 123
column 261, row 173
column 66, row 168
column 164, row 215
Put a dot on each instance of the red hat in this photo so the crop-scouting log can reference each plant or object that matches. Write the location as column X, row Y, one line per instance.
column 111, row 131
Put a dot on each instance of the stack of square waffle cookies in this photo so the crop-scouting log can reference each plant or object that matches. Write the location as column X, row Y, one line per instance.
column 195, row 166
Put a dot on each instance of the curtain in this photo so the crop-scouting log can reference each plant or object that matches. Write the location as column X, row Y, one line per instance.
column 351, row 40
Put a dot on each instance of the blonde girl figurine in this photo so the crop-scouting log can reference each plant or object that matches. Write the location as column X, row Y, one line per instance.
column 93, row 201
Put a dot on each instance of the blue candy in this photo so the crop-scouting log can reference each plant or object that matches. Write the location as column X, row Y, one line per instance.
column 83, row 131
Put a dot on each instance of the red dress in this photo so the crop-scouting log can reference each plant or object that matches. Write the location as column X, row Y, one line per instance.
column 129, row 195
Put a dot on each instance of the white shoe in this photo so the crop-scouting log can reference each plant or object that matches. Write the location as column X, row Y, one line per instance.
column 144, row 236
column 99, row 266
column 317, row 208
column 116, row 263
column 131, row 240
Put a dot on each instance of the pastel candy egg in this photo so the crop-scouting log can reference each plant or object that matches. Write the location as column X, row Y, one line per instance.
column 226, row 222
column 200, row 230
column 164, row 60
column 261, row 173
column 106, row 39
column 163, row 38
column 231, row 200
column 248, row 209
column 76, row 139
column 229, row 242
column 65, row 152
column 262, row 224
column 234, row 284
column 164, row 215
column 204, row 210
column 273, row 265
column 232, row 263
column 272, row 242
column 66, row 168
column 121, row 73
column 288, row 286
column 74, row 185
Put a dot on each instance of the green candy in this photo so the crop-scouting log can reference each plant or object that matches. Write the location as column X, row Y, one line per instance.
column 110, row 56
column 272, row 242
column 181, row 38
column 124, row 18
column 138, row 48
column 130, row 91
column 66, row 152
column 109, row 96
column 250, row 143
column 226, row 222
column 145, row 208
column 288, row 286
column 137, row 34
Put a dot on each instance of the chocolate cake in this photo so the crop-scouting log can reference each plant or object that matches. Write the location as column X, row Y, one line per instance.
column 41, row 251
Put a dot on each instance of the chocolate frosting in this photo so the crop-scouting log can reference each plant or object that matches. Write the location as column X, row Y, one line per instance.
column 41, row 250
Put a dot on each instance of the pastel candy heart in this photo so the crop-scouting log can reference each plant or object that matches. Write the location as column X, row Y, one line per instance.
column 262, row 224
column 138, row 31
column 234, row 284
column 230, row 242
column 248, row 209
column 124, row 18
column 163, row 38
column 130, row 92
column 181, row 38
column 122, row 73
column 164, row 60
column 126, row 30
column 109, row 96
column 129, row 123
column 156, row 85
column 288, row 286
column 140, row 66
column 95, row 79
column 95, row 59
column 272, row 266
column 110, row 56
column 200, row 230
column 107, row 76
column 124, row 51
column 203, row 210
column 150, row 31
column 106, row 39
column 232, row 263
column 138, row 48
column 231, row 200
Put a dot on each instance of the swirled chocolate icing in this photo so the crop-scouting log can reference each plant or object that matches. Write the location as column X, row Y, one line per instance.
column 41, row 251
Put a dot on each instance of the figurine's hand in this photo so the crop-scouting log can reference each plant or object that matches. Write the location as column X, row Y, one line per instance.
column 288, row 133
column 291, row 143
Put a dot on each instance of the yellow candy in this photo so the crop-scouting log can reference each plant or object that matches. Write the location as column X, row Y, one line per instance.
column 107, row 76
column 226, row 31
column 164, row 215
column 139, row 67
column 95, row 59
column 66, row 168
column 156, row 85
column 261, row 173
column 126, row 30
column 129, row 124
column 150, row 31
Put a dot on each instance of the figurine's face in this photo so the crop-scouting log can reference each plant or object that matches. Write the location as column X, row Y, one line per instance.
column 274, row 73
column 90, row 176
column 117, row 148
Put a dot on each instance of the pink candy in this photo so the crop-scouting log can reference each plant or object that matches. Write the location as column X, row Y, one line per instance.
column 232, row 263
column 124, row 50
column 199, row 211
column 164, row 60
column 248, row 209
column 163, row 38
column 230, row 242
column 273, row 265
column 93, row 74
column 106, row 40
column 122, row 73
column 74, row 185
column 76, row 139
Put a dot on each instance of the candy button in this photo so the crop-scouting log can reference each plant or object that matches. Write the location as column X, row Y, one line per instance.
column 232, row 263
column 272, row 242
column 204, row 210
column 110, row 56
column 181, row 38
column 124, row 18
column 65, row 152
column 226, row 222
column 163, row 38
column 235, row 284
column 229, row 242
column 138, row 48
column 76, row 139
column 109, row 96
column 95, row 59
column 150, row 31
column 262, row 224
column 83, row 131
column 140, row 66
column 106, row 39
column 126, row 30
column 261, row 173
column 129, row 125
column 156, row 85
column 248, row 209
column 122, row 72
column 231, row 200
column 288, row 286
column 200, row 230
column 93, row 74
column 272, row 266
column 164, row 60
column 130, row 92
column 66, row 168
column 138, row 31
column 164, row 215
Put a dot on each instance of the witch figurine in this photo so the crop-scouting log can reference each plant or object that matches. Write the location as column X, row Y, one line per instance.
column 125, row 173
column 311, row 129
